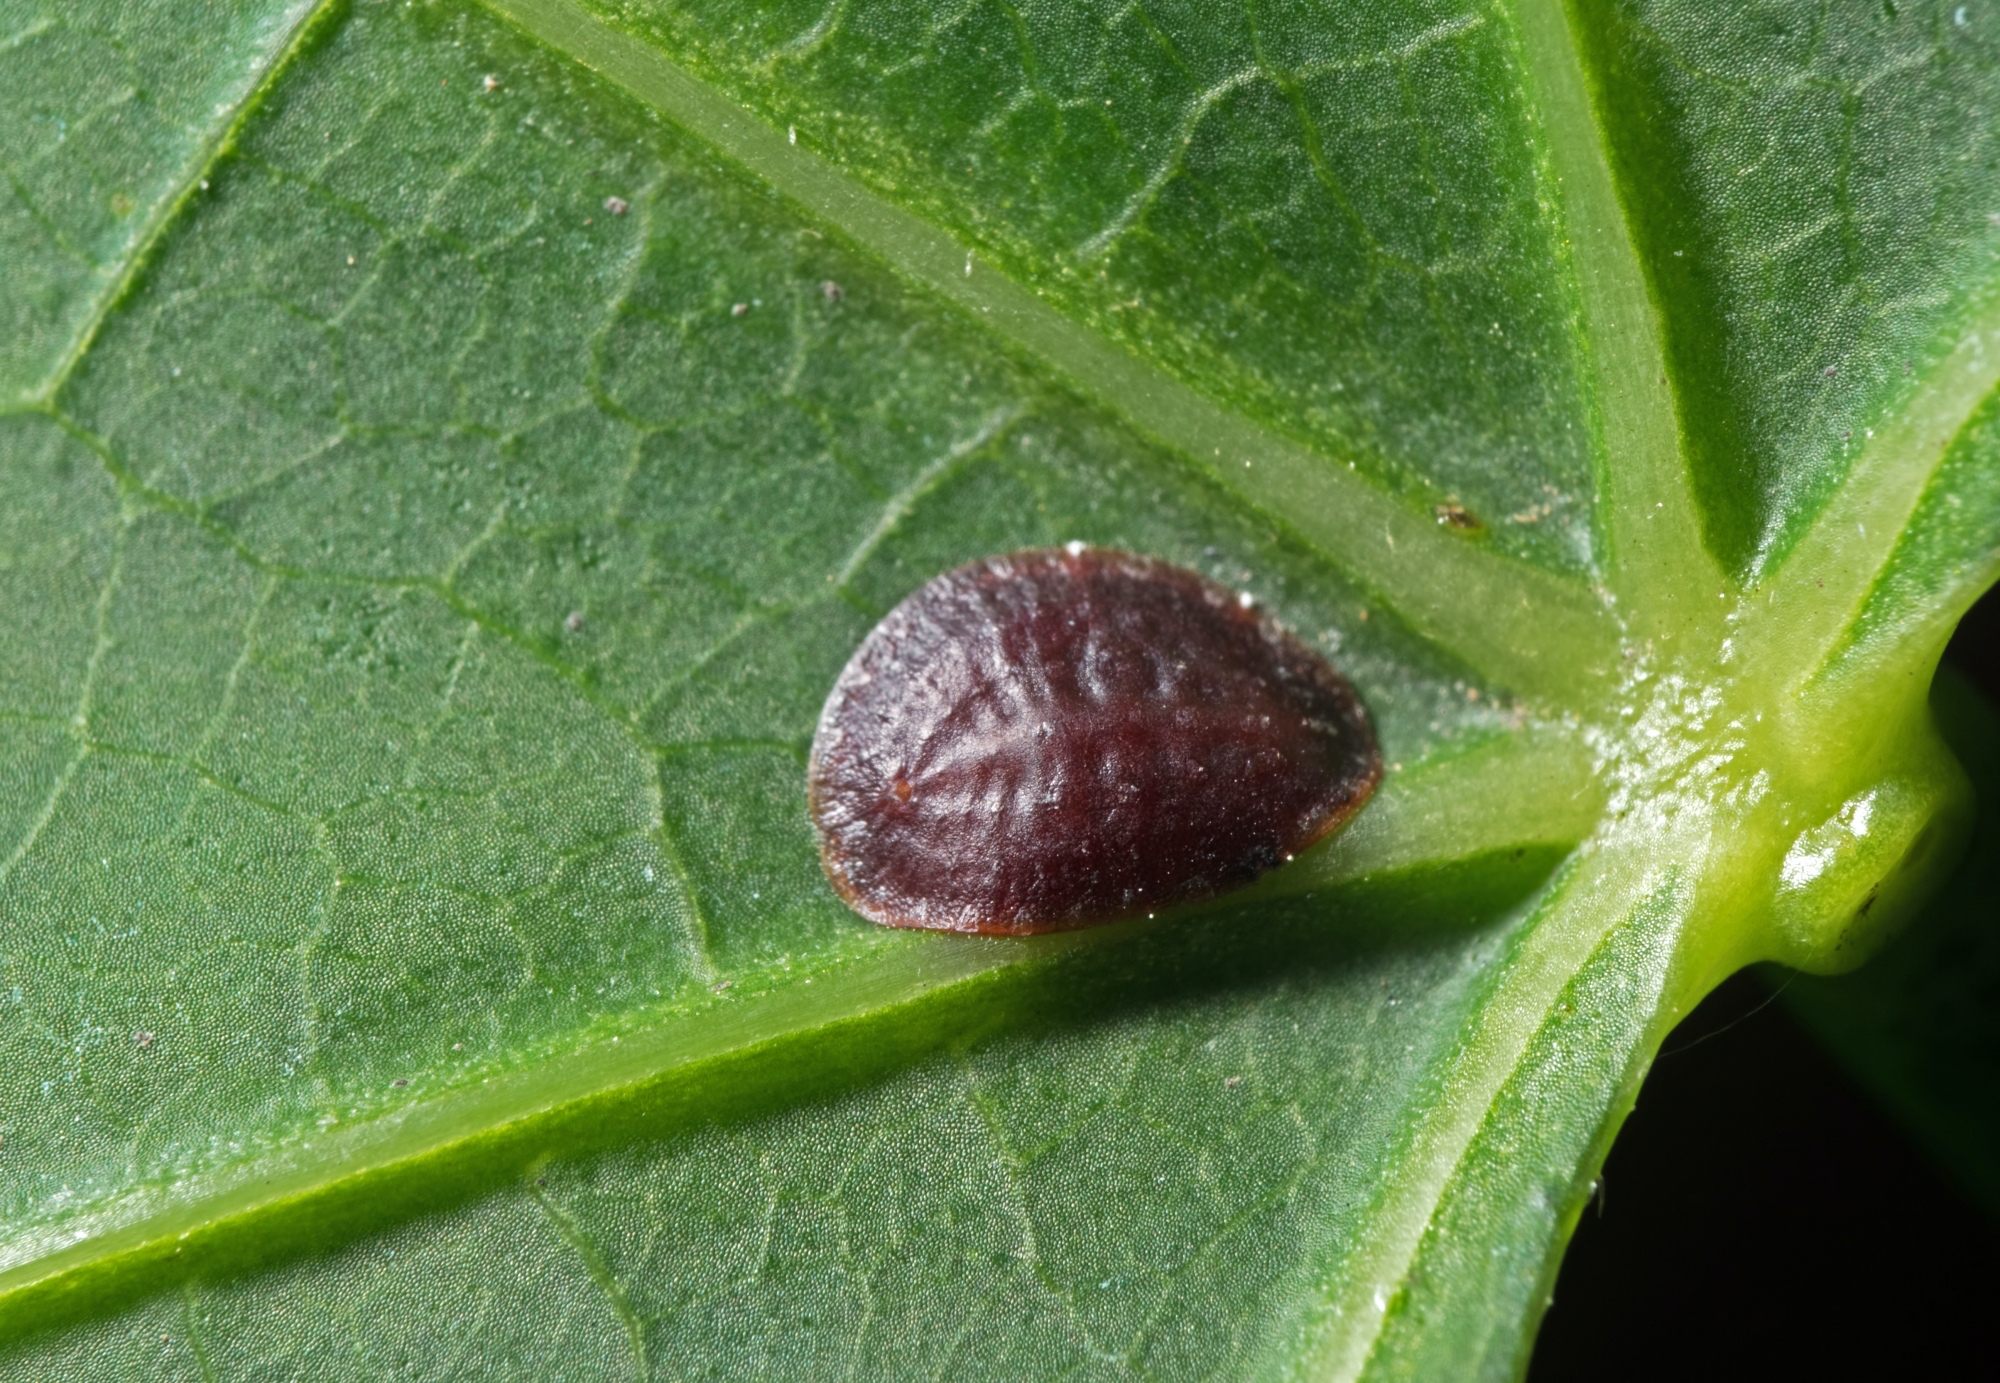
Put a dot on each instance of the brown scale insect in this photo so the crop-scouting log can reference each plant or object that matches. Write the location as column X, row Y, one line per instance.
column 1064, row 737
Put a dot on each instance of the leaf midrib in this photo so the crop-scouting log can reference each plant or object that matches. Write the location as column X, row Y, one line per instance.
column 911, row 972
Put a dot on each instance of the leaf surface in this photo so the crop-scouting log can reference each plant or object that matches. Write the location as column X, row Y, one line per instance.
column 437, row 503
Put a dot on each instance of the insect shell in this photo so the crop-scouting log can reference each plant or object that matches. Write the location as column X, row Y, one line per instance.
column 1065, row 737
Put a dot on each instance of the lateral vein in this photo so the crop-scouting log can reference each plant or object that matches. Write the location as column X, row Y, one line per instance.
column 528, row 1106
column 1815, row 597
column 1645, row 504
column 167, row 211
column 1499, row 615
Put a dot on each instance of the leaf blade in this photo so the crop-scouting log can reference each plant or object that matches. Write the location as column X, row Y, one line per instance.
column 1442, row 587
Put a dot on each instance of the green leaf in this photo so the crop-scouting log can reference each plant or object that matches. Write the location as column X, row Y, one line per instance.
column 446, row 454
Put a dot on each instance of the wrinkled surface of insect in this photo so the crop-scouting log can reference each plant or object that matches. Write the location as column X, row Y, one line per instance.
column 1063, row 737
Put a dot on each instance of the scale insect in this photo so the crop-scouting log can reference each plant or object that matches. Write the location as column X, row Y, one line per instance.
column 1064, row 737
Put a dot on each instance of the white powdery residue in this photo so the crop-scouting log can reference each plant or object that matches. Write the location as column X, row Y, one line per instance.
column 1668, row 755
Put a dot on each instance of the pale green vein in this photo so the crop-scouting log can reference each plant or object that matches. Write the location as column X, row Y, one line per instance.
column 904, row 971
column 1541, row 780
column 1808, row 606
column 599, row 1269
column 1659, row 567
column 79, row 721
column 295, row 37
column 1523, row 627
column 1604, row 886
column 197, row 1342
column 922, row 483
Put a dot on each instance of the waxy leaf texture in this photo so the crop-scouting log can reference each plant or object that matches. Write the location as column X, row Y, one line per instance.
column 448, row 451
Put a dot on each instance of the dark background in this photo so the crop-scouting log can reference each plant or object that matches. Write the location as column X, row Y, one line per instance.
column 1761, row 1217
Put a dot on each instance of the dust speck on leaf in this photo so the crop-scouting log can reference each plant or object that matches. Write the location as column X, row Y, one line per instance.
column 574, row 622
column 617, row 206
column 491, row 83
column 832, row 291
column 399, row 1083
column 739, row 309
column 143, row 1039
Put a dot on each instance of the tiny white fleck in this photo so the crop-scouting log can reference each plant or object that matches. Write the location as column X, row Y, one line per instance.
column 492, row 83
column 792, row 134
column 1246, row 600
column 1073, row 547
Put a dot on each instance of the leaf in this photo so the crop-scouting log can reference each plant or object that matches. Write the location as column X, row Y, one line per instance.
column 452, row 450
